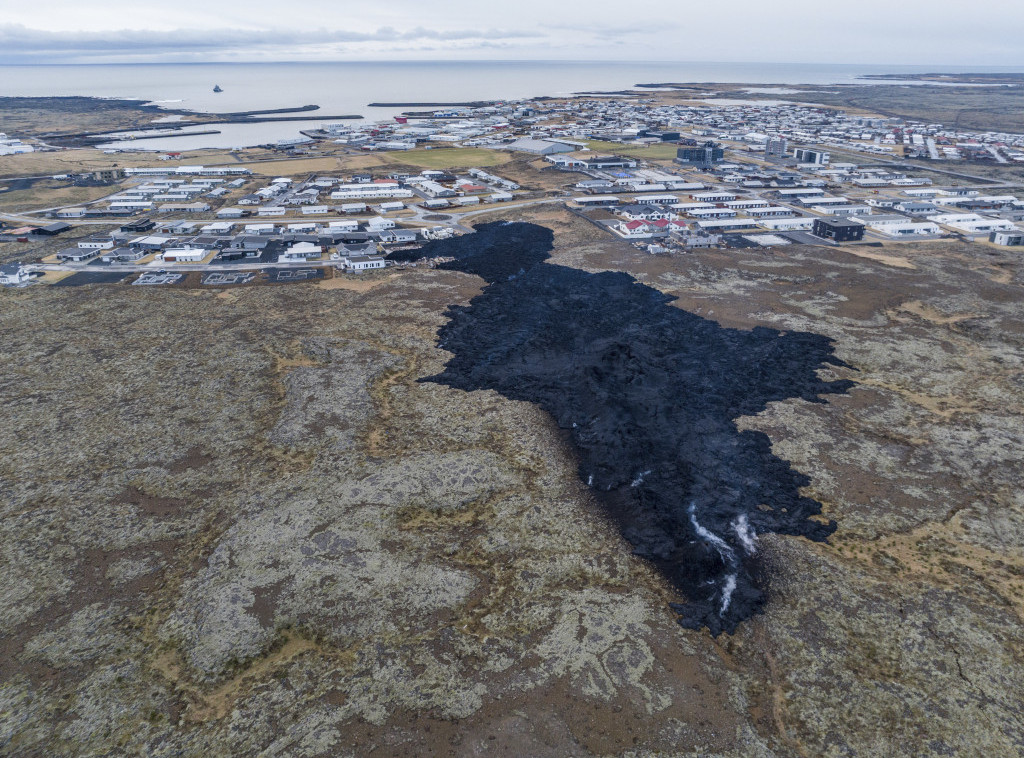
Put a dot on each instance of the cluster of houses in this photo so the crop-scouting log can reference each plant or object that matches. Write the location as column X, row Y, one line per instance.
column 169, row 191
column 701, row 214
column 741, row 168
column 760, row 125
column 462, row 126
column 346, row 243
column 547, row 128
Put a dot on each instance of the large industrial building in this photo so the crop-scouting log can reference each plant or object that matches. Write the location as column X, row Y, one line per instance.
column 775, row 147
column 814, row 157
column 701, row 156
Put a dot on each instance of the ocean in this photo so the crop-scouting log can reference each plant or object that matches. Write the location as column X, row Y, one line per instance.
column 347, row 88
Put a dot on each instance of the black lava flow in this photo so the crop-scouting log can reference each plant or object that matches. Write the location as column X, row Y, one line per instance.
column 648, row 395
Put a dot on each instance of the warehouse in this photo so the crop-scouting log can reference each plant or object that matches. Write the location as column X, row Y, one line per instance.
column 369, row 192
column 774, row 211
column 727, row 224
column 801, row 192
column 713, row 197
column 841, row 210
column 823, row 200
column 433, row 189
column 657, row 200
column 788, row 224
column 597, row 200
column 712, row 213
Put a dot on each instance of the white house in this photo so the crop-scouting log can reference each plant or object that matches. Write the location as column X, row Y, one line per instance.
column 96, row 243
column 1015, row 237
column 184, row 254
column 379, row 224
column 646, row 212
column 364, row 262
column 130, row 205
column 300, row 251
column 635, row 229
column 907, row 230
column 971, row 223
column 13, row 274
column 218, row 227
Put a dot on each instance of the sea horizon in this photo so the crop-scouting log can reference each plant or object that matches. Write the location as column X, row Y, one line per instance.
column 346, row 88
column 942, row 67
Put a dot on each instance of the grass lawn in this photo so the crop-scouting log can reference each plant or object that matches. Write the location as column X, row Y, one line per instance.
column 658, row 152
column 452, row 157
column 295, row 166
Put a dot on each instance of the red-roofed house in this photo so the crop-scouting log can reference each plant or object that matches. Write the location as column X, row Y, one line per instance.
column 634, row 228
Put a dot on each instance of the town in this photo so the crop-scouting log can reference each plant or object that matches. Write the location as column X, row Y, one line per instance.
column 666, row 177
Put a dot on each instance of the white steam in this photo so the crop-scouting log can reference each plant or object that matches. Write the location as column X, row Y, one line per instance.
column 720, row 544
column 727, row 590
column 746, row 535
column 640, row 479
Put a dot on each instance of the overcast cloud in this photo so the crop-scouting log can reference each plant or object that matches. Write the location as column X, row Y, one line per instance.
column 985, row 32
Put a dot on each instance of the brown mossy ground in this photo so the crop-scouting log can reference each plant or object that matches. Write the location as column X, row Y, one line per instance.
column 238, row 525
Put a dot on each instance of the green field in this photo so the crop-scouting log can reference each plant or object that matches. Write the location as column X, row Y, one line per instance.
column 659, row 152
column 452, row 157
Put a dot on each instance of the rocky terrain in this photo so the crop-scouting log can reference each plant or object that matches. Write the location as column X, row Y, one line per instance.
column 237, row 522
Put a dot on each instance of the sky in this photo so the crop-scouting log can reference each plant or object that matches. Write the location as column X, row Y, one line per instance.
column 924, row 32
